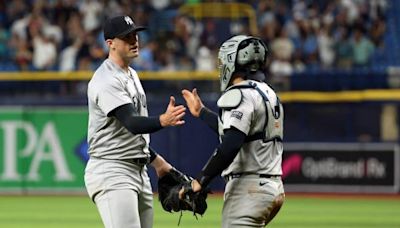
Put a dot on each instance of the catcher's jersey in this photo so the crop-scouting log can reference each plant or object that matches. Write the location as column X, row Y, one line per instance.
column 249, row 117
column 109, row 88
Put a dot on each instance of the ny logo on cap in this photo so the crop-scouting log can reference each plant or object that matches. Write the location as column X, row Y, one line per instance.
column 128, row 20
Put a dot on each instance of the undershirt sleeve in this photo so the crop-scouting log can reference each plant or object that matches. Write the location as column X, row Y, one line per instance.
column 223, row 156
column 136, row 124
column 210, row 117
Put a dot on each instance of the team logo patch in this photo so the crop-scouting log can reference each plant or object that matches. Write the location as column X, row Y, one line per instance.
column 237, row 114
column 128, row 20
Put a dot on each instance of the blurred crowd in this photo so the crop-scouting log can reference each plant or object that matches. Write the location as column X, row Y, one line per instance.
column 66, row 35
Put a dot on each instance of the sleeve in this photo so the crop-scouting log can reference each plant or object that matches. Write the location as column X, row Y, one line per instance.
column 136, row 124
column 210, row 117
column 223, row 155
column 239, row 117
column 153, row 154
column 110, row 95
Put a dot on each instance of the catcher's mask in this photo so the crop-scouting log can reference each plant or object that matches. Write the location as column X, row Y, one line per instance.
column 240, row 53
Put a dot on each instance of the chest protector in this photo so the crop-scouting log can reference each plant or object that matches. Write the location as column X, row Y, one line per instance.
column 273, row 124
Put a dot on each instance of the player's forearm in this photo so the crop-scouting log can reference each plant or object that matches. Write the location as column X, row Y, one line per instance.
column 210, row 117
column 136, row 124
column 160, row 165
column 223, row 156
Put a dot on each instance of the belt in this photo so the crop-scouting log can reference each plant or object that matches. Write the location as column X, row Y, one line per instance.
column 238, row 175
column 138, row 161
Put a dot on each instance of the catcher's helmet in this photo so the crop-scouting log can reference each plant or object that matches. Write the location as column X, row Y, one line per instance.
column 240, row 53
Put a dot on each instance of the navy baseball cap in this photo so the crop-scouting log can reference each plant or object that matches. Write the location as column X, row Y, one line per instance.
column 120, row 26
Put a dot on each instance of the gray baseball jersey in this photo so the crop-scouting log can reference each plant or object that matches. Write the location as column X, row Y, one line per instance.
column 120, row 189
column 109, row 88
column 249, row 117
column 250, row 201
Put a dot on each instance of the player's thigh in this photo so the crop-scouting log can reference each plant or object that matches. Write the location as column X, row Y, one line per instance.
column 249, row 204
column 119, row 208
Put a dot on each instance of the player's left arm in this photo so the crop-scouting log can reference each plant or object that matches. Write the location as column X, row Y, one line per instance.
column 223, row 156
column 134, row 123
column 143, row 124
column 161, row 166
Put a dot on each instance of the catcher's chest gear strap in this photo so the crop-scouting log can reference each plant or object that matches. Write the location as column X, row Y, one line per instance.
column 275, row 112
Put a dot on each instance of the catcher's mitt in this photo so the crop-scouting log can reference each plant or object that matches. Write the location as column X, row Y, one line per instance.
column 169, row 186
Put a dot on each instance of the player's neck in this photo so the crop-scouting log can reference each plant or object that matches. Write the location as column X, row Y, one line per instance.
column 119, row 61
column 237, row 80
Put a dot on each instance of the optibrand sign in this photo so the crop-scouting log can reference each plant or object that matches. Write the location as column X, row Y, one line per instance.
column 341, row 167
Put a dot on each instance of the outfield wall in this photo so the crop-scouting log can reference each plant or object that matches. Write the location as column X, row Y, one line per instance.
column 43, row 149
column 43, row 124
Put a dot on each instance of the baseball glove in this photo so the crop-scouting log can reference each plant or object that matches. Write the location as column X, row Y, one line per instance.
column 169, row 186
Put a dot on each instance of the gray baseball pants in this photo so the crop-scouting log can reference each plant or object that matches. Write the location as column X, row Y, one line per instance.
column 122, row 193
column 251, row 201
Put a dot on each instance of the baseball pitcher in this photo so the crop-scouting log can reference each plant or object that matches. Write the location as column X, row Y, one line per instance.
column 118, row 133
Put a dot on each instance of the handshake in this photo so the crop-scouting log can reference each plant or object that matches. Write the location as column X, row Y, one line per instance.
column 175, row 189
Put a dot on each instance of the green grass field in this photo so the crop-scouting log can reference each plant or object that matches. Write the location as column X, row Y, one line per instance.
column 298, row 211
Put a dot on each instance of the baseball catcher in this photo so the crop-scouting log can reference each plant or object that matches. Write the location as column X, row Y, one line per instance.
column 169, row 187
column 249, row 122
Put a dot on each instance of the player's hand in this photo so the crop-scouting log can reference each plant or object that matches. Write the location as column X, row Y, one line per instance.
column 173, row 115
column 193, row 101
column 196, row 187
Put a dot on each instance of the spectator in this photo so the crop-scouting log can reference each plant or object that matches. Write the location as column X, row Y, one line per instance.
column 205, row 61
column 19, row 27
column 146, row 61
column 282, row 47
column 17, row 10
column 281, row 67
column 344, row 50
column 91, row 11
column 377, row 32
column 313, row 28
column 325, row 47
column 362, row 48
column 309, row 45
column 209, row 36
column 44, row 47
column 377, row 8
column 68, row 57
column 73, row 28
column 44, row 52
column 23, row 55
column 4, row 37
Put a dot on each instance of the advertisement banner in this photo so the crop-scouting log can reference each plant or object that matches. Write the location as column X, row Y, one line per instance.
column 341, row 167
column 42, row 149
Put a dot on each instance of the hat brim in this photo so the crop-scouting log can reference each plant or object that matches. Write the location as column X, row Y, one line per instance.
column 132, row 29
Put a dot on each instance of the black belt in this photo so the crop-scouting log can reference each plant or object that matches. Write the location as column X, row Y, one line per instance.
column 138, row 161
column 238, row 175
